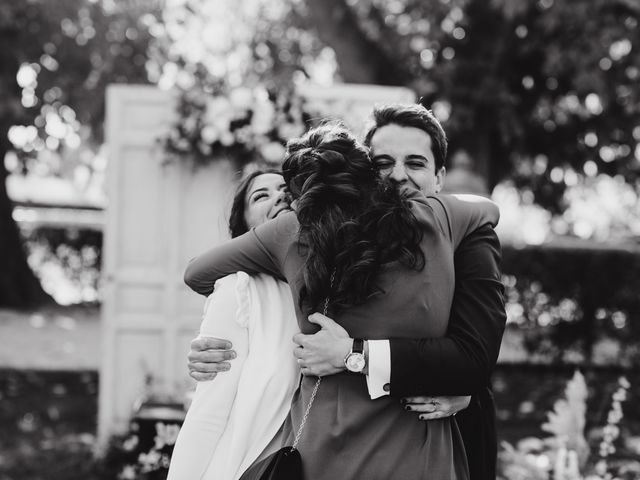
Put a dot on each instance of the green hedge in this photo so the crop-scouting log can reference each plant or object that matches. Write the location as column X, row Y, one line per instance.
column 577, row 301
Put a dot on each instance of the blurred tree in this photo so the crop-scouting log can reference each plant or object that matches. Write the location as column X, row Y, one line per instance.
column 55, row 62
column 533, row 89
column 543, row 91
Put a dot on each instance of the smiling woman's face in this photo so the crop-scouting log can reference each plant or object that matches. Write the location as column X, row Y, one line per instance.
column 265, row 199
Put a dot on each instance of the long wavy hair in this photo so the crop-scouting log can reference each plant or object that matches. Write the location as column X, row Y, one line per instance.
column 351, row 221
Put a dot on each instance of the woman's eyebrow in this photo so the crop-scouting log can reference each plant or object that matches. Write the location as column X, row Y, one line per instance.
column 261, row 189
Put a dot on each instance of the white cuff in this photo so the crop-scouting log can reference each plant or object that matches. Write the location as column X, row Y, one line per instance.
column 379, row 375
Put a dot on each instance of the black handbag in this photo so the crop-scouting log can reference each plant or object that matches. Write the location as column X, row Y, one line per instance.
column 286, row 463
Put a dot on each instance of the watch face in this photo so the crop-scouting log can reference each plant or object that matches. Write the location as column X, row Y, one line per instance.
column 355, row 362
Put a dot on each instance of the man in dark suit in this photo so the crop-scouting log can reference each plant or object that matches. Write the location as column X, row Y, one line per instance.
column 434, row 377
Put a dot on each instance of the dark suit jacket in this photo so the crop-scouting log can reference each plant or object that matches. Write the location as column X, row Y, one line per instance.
column 461, row 363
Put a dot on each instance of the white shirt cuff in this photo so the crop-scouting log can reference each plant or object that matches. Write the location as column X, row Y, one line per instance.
column 379, row 377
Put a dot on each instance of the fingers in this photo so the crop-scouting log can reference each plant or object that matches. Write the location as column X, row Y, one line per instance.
column 311, row 371
column 421, row 407
column 300, row 339
column 299, row 353
column 202, row 377
column 327, row 323
column 211, row 356
column 323, row 321
column 417, row 399
column 209, row 367
column 210, row 343
column 433, row 408
column 428, row 405
column 434, row 416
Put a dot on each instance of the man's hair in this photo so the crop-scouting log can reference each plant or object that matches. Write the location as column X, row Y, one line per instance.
column 410, row 115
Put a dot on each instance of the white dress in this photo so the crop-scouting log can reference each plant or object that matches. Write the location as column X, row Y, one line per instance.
column 234, row 418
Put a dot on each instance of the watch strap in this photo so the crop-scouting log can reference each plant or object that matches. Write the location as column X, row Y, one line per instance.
column 358, row 345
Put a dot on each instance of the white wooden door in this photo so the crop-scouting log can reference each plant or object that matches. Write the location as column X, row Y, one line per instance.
column 159, row 215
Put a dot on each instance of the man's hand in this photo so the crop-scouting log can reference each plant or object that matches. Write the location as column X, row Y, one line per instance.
column 208, row 356
column 431, row 408
column 323, row 353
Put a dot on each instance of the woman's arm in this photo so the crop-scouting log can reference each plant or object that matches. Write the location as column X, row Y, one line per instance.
column 209, row 412
column 260, row 250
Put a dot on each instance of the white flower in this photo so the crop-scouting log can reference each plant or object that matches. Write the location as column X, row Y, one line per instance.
column 209, row 134
column 262, row 120
column 624, row 382
column 130, row 443
column 227, row 139
column 205, row 148
column 241, row 98
column 149, row 461
column 244, row 135
column 189, row 124
column 166, row 434
column 127, row 473
column 219, row 112
column 272, row 152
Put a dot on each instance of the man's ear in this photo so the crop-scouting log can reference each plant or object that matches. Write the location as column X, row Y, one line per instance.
column 440, row 176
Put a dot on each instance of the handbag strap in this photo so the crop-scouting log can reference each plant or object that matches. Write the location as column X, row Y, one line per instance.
column 315, row 387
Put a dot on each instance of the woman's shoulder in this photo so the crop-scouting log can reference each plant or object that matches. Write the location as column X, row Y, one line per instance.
column 283, row 226
column 277, row 235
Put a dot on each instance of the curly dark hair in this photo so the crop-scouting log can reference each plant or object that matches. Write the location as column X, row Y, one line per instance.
column 237, row 223
column 351, row 221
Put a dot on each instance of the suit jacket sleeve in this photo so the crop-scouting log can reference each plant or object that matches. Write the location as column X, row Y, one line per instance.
column 461, row 362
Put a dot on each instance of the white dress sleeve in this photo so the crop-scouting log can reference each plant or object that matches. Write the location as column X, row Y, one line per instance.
column 224, row 317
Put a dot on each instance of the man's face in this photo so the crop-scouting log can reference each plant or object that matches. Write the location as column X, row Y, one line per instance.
column 405, row 155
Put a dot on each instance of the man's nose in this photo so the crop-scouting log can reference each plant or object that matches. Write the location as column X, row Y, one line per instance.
column 398, row 173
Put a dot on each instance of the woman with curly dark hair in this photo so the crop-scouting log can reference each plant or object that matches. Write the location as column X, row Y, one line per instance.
column 358, row 241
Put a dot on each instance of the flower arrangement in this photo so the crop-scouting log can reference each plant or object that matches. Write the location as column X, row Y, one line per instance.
column 144, row 452
column 566, row 455
column 153, row 462
column 242, row 124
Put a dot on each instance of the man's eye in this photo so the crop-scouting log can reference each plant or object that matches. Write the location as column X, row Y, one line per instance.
column 382, row 165
column 416, row 164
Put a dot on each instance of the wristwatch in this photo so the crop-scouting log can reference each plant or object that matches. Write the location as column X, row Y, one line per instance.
column 355, row 360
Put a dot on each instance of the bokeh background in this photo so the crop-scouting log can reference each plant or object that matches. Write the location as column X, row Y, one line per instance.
column 540, row 100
